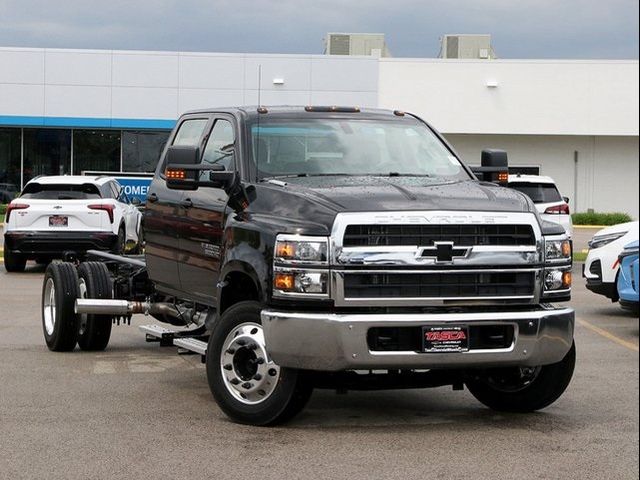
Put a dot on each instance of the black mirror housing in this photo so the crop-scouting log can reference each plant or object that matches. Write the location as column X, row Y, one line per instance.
column 494, row 167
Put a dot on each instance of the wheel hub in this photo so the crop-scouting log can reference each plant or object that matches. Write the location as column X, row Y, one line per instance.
column 248, row 372
column 49, row 306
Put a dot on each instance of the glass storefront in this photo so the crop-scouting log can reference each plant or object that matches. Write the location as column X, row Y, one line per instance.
column 9, row 163
column 141, row 150
column 96, row 150
column 47, row 151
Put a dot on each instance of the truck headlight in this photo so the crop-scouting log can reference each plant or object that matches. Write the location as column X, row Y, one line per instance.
column 301, row 250
column 557, row 249
column 557, row 279
column 300, row 282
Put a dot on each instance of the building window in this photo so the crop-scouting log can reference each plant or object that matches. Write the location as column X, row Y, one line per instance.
column 141, row 150
column 9, row 163
column 96, row 150
column 47, row 151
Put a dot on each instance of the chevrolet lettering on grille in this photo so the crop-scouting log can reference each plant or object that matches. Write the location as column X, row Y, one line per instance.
column 443, row 252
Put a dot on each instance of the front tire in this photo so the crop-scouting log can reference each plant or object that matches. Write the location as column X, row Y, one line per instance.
column 59, row 320
column 14, row 262
column 121, row 242
column 247, row 385
column 95, row 282
column 523, row 390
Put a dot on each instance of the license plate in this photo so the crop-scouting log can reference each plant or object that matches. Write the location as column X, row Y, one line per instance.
column 445, row 338
column 58, row 221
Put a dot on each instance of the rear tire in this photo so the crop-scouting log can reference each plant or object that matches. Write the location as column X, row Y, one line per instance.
column 14, row 262
column 244, row 381
column 59, row 320
column 94, row 331
column 508, row 390
column 121, row 242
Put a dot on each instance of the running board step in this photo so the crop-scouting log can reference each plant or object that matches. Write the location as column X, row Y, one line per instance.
column 156, row 333
column 191, row 344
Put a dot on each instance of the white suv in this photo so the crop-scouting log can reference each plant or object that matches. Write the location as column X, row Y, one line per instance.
column 602, row 265
column 60, row 214
column 552, row 206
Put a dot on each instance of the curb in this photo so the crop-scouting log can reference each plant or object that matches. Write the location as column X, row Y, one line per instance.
column 591, row 226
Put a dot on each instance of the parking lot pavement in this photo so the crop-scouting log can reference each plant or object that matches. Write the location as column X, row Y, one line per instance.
column 138, row 410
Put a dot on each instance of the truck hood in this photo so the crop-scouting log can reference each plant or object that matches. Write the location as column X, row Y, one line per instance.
column 319, row 199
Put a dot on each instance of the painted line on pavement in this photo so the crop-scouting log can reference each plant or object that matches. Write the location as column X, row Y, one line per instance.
column 608, row 335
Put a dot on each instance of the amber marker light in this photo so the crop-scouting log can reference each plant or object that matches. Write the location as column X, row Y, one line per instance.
column 285, row 250
column 175, row 174
column 503, row 176
column 566, row 279
column 284, row 281
column 566, row 248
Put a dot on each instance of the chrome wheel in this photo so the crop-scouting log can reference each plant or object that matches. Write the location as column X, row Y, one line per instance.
column 83, row 294
column 49, row 306
column 248, row 372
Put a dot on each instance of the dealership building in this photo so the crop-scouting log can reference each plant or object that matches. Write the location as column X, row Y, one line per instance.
column 68, row 111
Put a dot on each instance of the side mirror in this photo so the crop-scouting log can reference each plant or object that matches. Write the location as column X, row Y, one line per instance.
column 494, row 167
column 136, row 202
column 179, row 175
column 566, row 199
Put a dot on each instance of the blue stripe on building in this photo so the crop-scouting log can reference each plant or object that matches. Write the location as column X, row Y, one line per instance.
column 86, row 122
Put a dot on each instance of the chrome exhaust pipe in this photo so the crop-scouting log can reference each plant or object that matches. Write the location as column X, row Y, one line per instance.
column 96, row 306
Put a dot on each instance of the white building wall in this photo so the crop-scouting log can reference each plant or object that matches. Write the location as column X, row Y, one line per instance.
column 533, row 97
column 605, row 177
column 163, row 85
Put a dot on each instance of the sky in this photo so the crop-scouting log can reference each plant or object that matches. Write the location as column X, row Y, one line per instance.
column 567, row 29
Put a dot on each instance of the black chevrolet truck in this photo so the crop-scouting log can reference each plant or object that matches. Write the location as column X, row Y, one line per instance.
column 296, row 248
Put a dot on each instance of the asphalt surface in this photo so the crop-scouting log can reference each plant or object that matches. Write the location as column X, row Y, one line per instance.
column 138, row 410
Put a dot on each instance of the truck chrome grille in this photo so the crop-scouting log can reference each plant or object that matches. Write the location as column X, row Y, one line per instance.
column 425, row 235
column 448, row 285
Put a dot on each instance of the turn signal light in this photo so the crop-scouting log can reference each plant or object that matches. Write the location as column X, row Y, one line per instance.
column 503, row 177
column 566, row 279
column 14, row 206
column 285, row 250
column 566, row 248
column 175, row 174
column 284, row 281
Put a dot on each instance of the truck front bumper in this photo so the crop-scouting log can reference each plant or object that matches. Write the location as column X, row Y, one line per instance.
column 337, row 341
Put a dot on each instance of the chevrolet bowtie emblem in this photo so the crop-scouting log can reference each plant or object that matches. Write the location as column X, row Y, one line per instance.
column 443, row 252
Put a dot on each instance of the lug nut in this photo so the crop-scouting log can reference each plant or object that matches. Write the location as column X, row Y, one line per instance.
column 259, row 360
column 234, row 381
column 227, row 366
column 257, row 376
column 247, row 385
column 231, row 351
column 253, row 346
column 242, row 342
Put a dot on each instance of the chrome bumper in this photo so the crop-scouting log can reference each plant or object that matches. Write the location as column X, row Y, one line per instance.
column 333, row 342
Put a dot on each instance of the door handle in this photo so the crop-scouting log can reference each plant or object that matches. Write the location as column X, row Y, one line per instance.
column 187, row 203
column 152, row 197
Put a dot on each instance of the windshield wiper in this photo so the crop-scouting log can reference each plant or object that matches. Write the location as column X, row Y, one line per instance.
column 398, row 174
column 301, row 175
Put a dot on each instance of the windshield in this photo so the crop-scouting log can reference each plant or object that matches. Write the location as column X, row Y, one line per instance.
column 538, row 192
column 60, row 191
column 350, row 147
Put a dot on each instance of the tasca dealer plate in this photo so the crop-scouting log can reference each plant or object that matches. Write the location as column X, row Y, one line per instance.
column 445, row 339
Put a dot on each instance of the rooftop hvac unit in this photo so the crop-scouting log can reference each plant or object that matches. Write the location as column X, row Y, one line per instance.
column 466, row 46
column 339, row 44
column 356, row 44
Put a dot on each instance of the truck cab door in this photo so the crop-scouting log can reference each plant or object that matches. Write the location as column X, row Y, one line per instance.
column 163, row 213
column 204, row 214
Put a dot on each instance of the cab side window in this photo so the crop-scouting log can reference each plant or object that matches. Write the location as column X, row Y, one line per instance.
column 220, row 146
column 190, row 132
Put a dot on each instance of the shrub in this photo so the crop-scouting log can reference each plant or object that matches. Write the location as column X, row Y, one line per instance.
column 595, row 218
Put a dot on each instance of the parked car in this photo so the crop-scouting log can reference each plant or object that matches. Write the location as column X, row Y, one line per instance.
column 628, row 277
column 552, row 206
column 602, row 265
column 59, row 214
column 8, row 192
